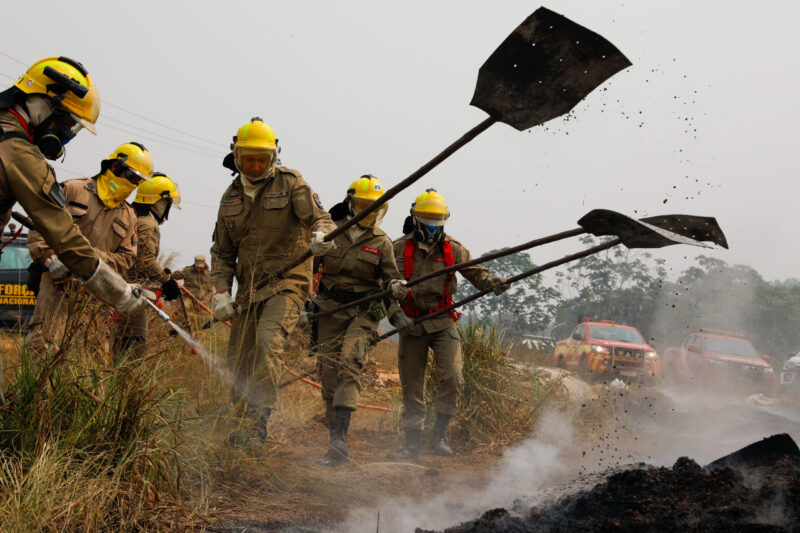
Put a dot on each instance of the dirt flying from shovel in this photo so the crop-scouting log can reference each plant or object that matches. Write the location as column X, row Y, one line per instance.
column 687, row 497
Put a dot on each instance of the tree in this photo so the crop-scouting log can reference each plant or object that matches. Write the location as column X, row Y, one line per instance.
column 525, row 308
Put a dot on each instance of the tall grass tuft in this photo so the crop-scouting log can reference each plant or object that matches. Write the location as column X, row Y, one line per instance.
column 500, row 400
column 87, row 444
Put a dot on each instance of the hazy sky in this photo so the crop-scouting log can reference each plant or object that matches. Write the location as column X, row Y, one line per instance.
column 706, row 119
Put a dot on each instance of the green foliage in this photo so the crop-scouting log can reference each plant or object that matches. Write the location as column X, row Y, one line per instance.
column 527, row 306
column 500, row 401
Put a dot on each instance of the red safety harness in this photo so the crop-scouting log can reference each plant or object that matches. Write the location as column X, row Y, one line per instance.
column 408, row 271
column 24, row 125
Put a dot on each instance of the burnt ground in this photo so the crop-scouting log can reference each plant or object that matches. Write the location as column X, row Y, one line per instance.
column 685, row 497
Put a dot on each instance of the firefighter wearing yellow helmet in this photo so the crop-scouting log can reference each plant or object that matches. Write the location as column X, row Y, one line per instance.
column 426, row 248
column 362, row 263
column 98, row 206
column 265, row 219
column 153, row 201
column 43, row 111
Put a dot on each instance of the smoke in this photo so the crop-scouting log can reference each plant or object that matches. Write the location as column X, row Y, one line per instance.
column 522, row 473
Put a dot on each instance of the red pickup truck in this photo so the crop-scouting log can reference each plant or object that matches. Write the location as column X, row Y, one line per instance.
column 719, row 359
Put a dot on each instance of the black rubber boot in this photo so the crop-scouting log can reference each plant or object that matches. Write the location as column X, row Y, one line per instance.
column 410, row 449
column 337, row 448
column 259, row 432
column 439, row 441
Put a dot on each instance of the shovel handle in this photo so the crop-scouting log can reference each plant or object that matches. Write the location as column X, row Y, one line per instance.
column 518, row 277
column 454, row 268
column 389, row 194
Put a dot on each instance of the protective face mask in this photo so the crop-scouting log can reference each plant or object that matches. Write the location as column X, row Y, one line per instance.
column 112, row 189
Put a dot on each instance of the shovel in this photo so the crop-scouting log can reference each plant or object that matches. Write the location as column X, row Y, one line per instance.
column 762, row 453
column 542, row 70
column 630, row 232
column 598, row 222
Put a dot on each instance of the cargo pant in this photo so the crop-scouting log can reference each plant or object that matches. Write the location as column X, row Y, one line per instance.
column 259, row 335
column 343, row 340
column 412, row 363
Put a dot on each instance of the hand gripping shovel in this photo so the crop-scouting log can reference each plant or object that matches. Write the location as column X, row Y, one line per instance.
column 597, row 222
column 541, row 71
column 630, row 232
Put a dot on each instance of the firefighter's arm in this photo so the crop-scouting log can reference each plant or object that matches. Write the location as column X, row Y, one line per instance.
column 223, row 258
column 146, row 256
column 308, row 208
column 38, row 249
column 478, row 275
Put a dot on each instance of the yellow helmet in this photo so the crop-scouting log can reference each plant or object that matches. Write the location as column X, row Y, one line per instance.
column 69, row 86
column 256, row 135
column 255, row 150
column 161, row 187
column 136, row 160
column 361, row 194
column 430, row 208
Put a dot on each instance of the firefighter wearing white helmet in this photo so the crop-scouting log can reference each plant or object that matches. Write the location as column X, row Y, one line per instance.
column 267, row 217
column 361, row 263
column 98, row 206
column 426, row 248
column 40, row 114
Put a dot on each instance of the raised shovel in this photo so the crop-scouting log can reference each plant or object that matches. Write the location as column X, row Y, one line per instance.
column 628, row 231
column 597, row 222
column 540, row 71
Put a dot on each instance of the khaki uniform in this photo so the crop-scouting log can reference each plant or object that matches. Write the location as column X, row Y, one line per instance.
column 201, row 285
column 351, row 271
column 27, row 178
column 111, row 231
column 253, row 237
column 439, row 334
column 146, row 266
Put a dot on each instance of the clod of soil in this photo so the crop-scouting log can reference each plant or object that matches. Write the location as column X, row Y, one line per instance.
column 686, row 497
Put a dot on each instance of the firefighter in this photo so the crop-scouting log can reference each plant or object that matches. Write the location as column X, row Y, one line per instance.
column 153, row 203
column 197, row 278
column 361, row 263
column 267, row 217
column 39, row 115
column 99, row 209
column 426, row 248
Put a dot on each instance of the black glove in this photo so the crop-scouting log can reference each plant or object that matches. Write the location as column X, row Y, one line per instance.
column 170, row 289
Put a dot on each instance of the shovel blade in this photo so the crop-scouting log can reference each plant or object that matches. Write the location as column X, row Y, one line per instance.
column 698, row 228
column 762, row 453
column 543, row 69
column 634, row 233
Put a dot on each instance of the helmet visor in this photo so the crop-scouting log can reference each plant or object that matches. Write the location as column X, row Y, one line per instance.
column 133, row 175
column 83, row 123
column 431, row 221
column 375, row 218
column 255, row 163
column 176, row 197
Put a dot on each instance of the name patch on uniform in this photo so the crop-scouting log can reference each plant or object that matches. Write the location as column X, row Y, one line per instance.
column 439, row 259
column 279, row 194
column 234, row 201
column 371, row 250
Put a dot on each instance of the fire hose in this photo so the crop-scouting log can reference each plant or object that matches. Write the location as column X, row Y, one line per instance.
column 289, row 370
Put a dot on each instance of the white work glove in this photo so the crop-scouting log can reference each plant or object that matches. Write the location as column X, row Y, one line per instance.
column 223, row 306
column 498, row 284
column 109, row 287
column 401, row 321
column 58, row 270
column 319, row 246
column 303, row 321
column 398, row 288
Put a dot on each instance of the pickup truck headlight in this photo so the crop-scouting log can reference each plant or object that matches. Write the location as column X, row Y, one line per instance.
column 650, row 354
column 718, row 364
column 599, row 349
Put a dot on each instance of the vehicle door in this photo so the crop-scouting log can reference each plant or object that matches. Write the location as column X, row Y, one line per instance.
column 573, row 344
column 690, row 352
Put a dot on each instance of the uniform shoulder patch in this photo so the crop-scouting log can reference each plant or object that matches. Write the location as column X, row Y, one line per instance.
column 317, row 201
column 233, row 193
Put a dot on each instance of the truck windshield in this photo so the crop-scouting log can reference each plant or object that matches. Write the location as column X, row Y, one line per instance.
column 610, row 333
column 729, row 346
column 15, row 258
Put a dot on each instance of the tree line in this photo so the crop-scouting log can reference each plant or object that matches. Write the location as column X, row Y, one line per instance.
column 631, row 287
